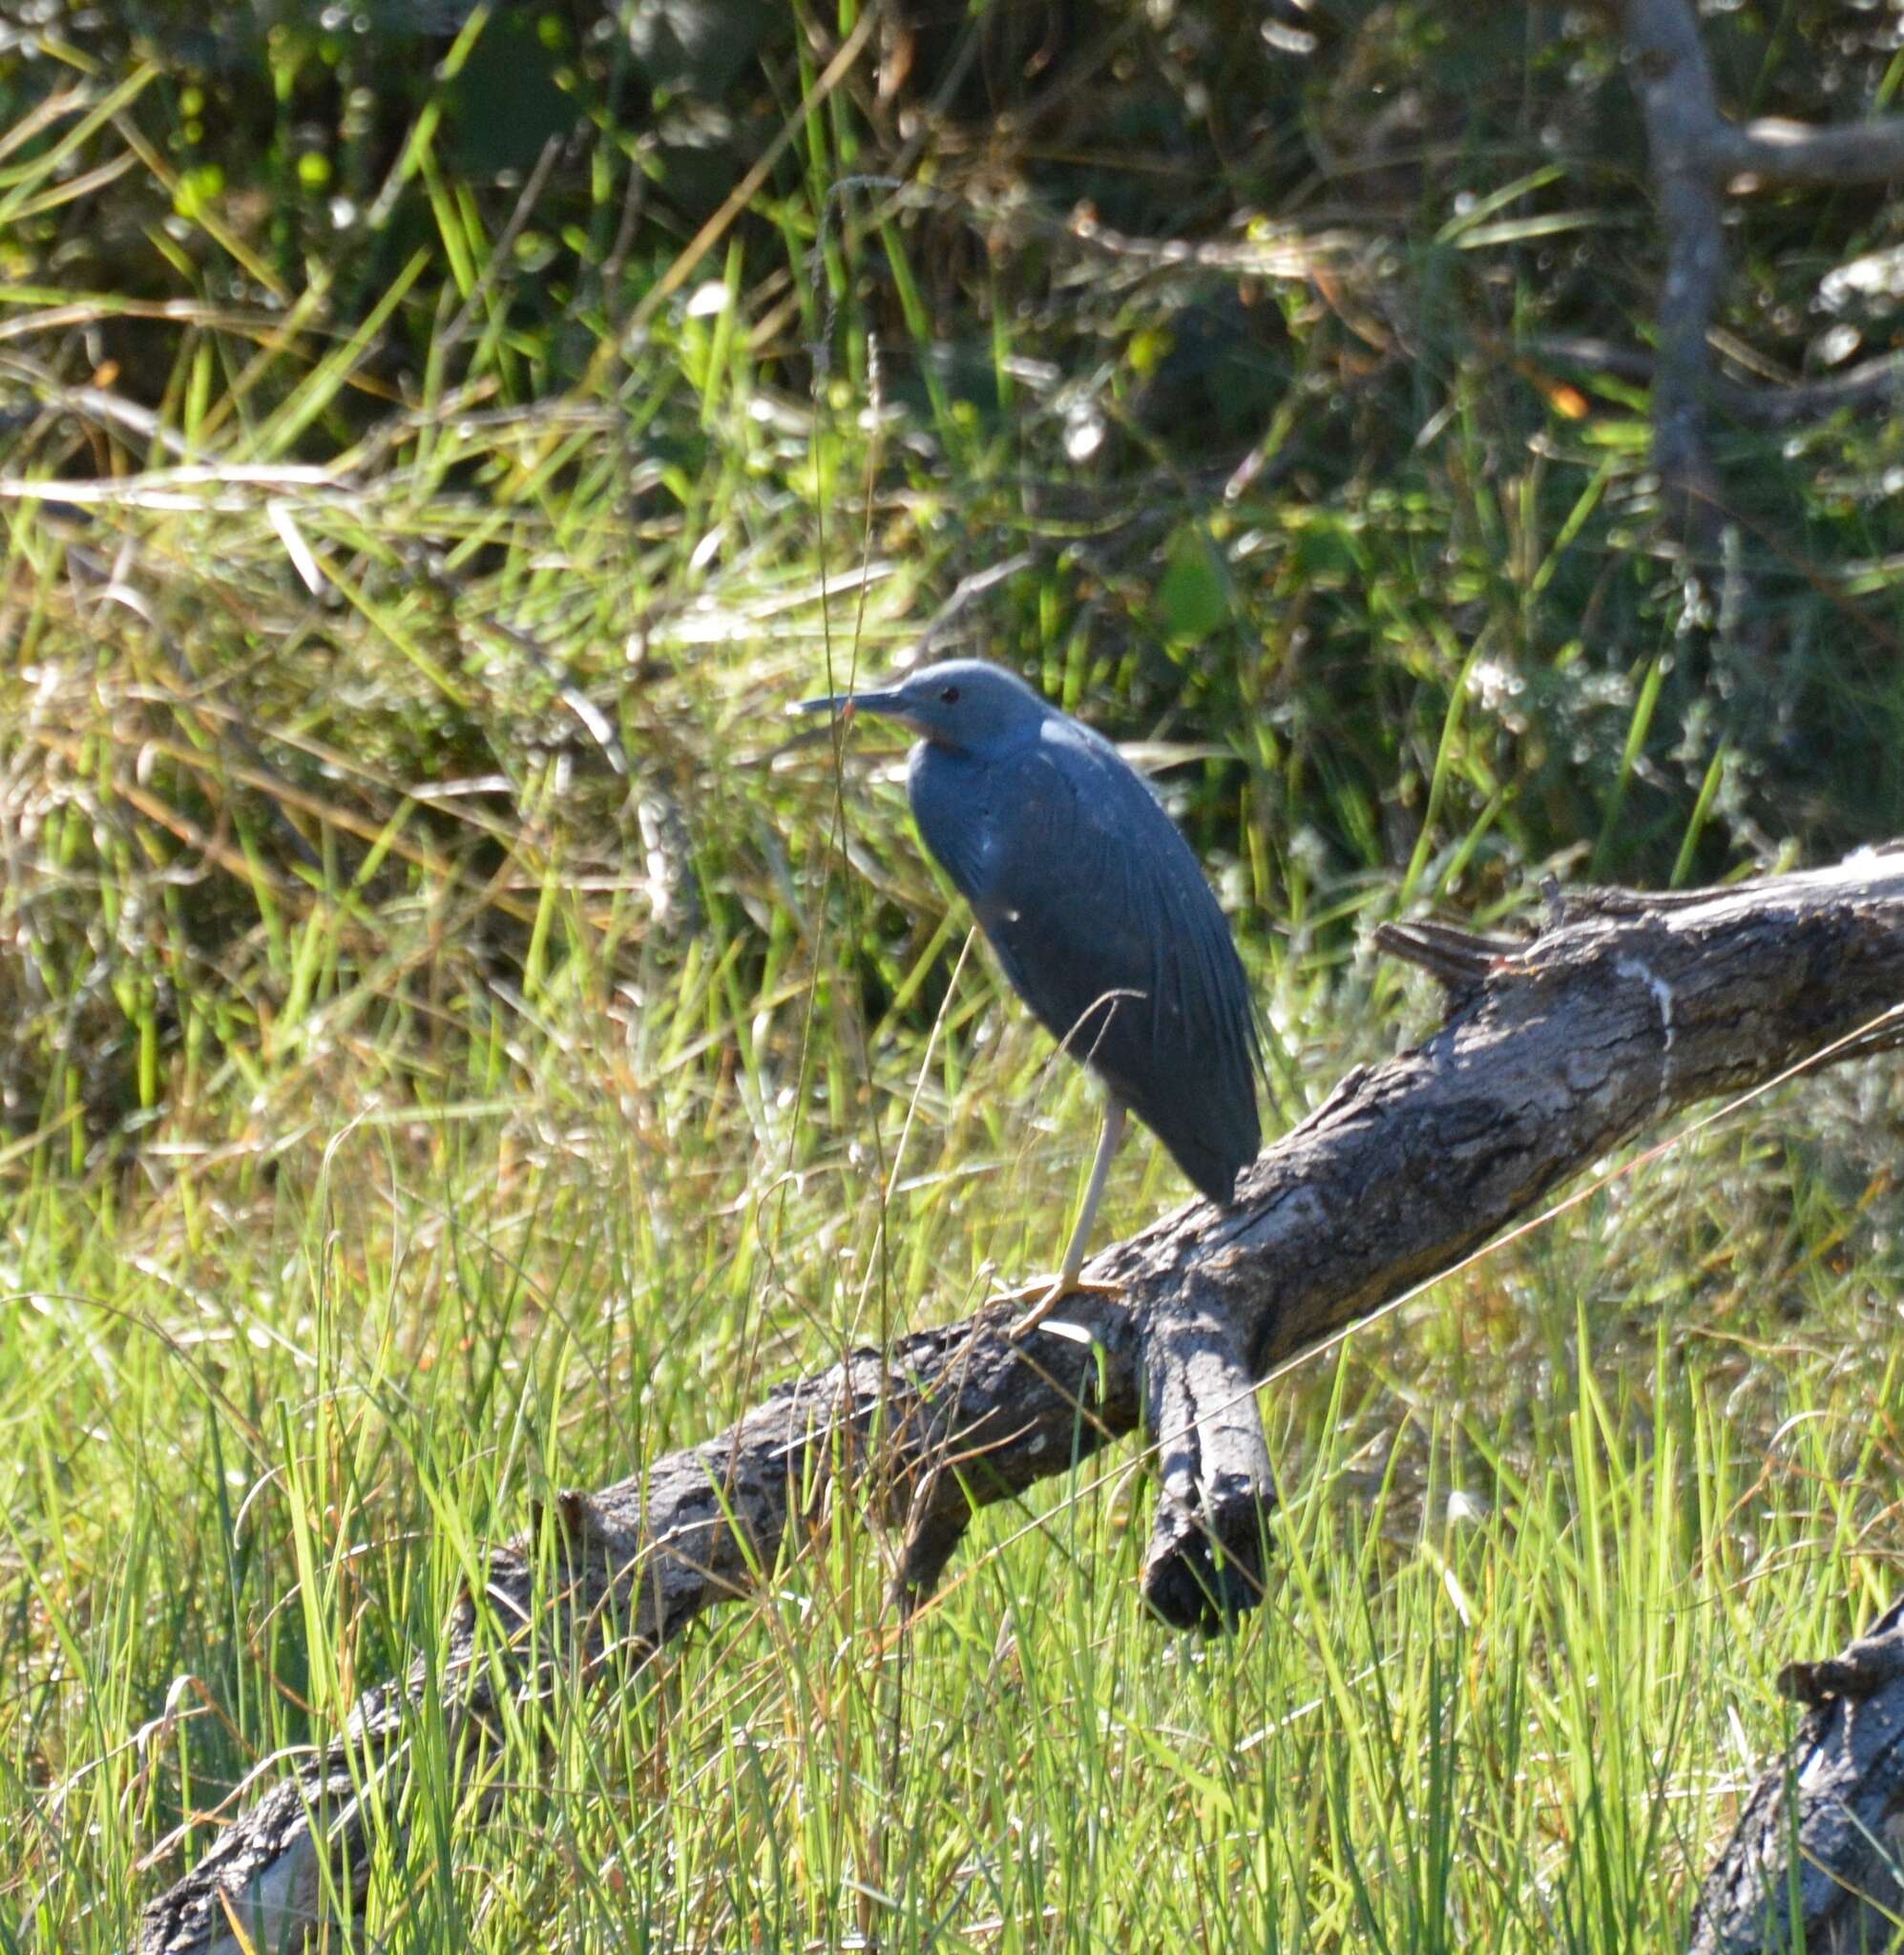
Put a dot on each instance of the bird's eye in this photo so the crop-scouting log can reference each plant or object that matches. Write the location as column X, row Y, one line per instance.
column 949, row 696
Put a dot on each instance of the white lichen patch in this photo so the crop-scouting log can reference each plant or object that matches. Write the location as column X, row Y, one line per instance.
column 1662, row 1001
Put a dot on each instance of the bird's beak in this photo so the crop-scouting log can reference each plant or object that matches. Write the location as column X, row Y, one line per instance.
column 847, row 703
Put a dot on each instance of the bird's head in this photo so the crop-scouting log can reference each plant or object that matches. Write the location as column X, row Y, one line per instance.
column 962, row 704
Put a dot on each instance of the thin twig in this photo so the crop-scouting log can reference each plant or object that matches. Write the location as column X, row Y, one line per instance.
column 505, row 245
column 1790, row 404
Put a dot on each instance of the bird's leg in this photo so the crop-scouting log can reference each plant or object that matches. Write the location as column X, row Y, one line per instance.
column 1069, row 1273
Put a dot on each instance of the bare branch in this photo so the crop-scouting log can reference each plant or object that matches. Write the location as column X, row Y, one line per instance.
column 1772, row 151
column 1697, row 153
column 1457, row 959
column 1869, row 382
column 1681, row 109
column 1208, row 1557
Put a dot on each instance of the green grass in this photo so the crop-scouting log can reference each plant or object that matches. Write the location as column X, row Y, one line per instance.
column 454, row 1035
column 1545, row 1539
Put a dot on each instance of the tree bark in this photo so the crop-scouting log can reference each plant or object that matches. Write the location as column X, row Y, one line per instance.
column 1555, row 1050
column 1208, row 1556
column 1814, row 1863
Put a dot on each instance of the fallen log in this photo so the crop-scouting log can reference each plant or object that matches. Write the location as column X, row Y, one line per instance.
column 1555, row 1050
column 1816, row 1862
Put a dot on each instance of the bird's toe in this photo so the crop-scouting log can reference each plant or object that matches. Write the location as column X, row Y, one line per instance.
column 1050, row 1293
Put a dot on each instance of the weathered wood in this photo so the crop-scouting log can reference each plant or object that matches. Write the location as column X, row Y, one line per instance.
column 1623, row 1009
column 1207, row 1561
column 1813, row 1864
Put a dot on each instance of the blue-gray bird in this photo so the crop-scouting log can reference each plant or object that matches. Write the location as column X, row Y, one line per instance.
column 1098, row 911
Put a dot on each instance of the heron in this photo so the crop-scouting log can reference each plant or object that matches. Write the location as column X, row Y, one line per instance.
column 1098, row 912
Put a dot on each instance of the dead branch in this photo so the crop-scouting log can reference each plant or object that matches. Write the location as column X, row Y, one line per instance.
column 1208, row 1556
column 1681, row 113
column 1697, row 154
column 1772, row 151
column 1815, row 1861
column 1554, row 1051
column 1878, row 382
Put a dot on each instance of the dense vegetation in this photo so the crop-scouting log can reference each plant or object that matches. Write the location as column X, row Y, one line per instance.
column 456, row 1036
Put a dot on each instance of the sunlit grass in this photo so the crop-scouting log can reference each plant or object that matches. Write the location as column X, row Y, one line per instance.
column 461, row 1039
column 1512, row 1673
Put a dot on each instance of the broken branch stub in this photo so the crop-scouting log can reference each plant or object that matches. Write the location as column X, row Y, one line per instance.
column 1207, row 1561
column 1554, row 1052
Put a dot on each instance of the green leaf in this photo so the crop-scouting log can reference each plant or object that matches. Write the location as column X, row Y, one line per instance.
column 1193, row 598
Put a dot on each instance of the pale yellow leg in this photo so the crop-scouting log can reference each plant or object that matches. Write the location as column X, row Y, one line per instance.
column 1069, row 1276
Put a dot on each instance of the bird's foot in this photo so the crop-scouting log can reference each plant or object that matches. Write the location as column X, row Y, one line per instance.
column 1050, row 1291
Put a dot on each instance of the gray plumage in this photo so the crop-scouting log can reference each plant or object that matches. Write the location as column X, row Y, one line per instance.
column 1095, row 907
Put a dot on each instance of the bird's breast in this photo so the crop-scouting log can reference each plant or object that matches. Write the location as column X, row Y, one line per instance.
column 969, row 821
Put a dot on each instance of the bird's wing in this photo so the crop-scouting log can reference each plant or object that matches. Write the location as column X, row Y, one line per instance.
column 1105, row 926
